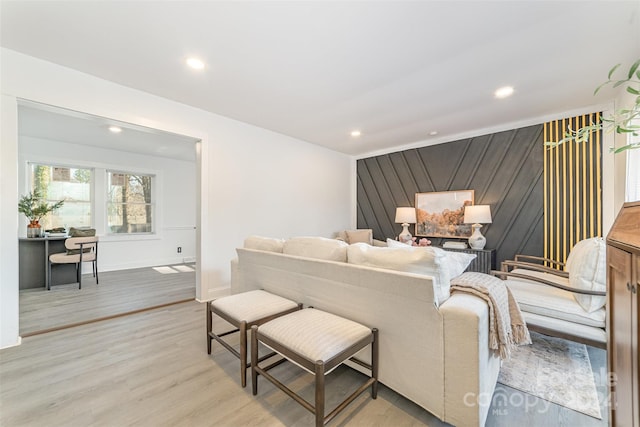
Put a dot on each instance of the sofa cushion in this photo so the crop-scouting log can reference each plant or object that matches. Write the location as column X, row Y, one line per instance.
column 587, row 267
column 457, row 262
column 260, row 243
column 316, row 247
column 421, row 260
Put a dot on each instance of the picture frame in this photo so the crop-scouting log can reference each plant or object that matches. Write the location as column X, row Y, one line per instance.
column 441, row 214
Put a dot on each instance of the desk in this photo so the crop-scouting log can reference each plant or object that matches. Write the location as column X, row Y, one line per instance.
column 33, row 256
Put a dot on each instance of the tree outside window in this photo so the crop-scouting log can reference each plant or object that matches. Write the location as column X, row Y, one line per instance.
column 73, row 185
column 130, row 204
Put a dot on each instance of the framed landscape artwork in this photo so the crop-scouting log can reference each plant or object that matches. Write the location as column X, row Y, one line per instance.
column 441, row 214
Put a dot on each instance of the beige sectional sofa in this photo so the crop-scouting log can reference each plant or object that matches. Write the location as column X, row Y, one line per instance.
column 433, row 345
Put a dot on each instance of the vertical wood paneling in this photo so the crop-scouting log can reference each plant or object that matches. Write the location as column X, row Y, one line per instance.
column 504, row 169
column 572, row 188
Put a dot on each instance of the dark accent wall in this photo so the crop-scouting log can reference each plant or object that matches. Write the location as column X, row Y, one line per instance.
column 504, row 169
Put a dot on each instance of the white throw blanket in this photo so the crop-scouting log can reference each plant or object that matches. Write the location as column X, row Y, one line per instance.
column 507, row 327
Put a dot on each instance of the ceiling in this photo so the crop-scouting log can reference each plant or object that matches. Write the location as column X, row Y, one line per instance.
column 316, row 70
column 59, row 124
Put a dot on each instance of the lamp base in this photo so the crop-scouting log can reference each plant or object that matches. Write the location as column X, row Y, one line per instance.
column 477, row 240
column 405, row 236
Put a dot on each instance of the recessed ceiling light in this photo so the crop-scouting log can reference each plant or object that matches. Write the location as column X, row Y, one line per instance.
column 356, row 133
column 504, row 92
column 433, row 133
column 115, row 129
column 195, row 63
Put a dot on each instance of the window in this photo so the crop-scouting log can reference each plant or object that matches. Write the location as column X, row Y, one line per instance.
column 129, row 203
column 633, row 170
column 73, row 185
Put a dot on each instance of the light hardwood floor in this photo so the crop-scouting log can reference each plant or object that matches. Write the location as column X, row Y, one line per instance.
column 119, row 292
column 152, row 369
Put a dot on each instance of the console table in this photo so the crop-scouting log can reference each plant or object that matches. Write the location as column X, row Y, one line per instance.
column 484, row 262
column 33, row 260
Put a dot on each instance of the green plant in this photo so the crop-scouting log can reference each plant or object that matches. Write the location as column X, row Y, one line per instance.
column 34, row 207
column 622, row 121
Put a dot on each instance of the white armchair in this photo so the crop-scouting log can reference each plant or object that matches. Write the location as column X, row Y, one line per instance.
column 568, row 303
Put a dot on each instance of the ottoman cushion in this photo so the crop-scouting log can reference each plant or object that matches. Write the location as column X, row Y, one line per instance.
column 314, row 334
column 252, row 306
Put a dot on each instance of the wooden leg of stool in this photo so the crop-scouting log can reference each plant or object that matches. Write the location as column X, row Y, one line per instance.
column 243, row 353
column 209, row 326
column 374, row 363
column 319, row 393
column 254, row 359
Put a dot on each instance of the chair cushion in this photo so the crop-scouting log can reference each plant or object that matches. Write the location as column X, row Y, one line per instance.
column 588, row 332
column 429, row 261
column 316, row 247
column 260, row 243
column 315, row 334
column 587, row 267
column 64, row 258
column 552, row 302
column 252, row 306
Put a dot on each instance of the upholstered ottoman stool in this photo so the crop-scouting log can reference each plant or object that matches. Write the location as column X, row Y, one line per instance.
column 243, row 311
column 318, row 342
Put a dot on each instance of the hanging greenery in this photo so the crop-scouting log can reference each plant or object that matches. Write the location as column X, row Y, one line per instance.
column 622, row 121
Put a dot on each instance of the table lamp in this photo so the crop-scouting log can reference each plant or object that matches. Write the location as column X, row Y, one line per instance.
column 405, row 216
column 477, row 215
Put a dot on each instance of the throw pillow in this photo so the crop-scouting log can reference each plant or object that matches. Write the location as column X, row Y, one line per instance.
column 360, row 236
column 587, row 267
column 420, row 260
column 457, row 262
column 80, row 232
column 396, row 244
column 316, row 247
column 260, row 243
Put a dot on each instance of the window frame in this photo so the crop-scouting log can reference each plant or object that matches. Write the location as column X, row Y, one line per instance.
column 632, row 178
column 30, row 164
column 153, row 204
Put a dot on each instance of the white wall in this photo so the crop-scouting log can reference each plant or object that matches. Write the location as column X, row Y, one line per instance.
column 174, row 195
column 250, row 180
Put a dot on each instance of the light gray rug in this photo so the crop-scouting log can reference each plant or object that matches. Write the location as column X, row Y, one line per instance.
column 556, row 370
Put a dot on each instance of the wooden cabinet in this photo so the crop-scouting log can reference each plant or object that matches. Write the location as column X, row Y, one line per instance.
column 623, row 288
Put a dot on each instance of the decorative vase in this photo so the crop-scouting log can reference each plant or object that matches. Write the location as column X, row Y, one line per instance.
column 477, row 240
column 34, row 229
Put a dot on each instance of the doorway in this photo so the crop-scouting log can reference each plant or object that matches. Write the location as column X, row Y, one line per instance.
column 130, row 263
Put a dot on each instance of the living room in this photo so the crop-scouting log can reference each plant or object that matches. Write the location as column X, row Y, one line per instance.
column 257, row 180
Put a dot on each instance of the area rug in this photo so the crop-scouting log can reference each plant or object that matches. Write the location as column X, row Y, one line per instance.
column 556, row 370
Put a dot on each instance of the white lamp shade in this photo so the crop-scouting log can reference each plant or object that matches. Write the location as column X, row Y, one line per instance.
column 405, row 215
column 477, row 214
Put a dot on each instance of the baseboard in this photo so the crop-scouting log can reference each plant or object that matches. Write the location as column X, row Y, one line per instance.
column 215, row 293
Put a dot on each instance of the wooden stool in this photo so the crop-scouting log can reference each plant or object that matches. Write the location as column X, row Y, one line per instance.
column 243, row 311
column 318, row 342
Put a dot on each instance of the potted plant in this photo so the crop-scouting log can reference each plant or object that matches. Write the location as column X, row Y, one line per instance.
column 34, row 207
